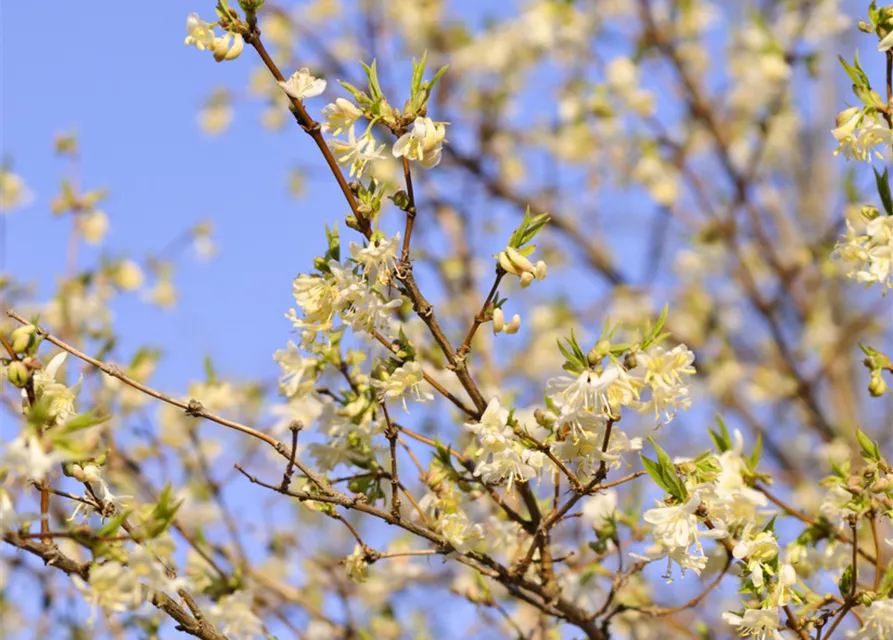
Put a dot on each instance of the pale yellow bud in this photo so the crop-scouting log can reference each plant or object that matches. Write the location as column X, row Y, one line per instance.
column 526, row 279
column 540, row 270
column 513, row 326
column 20, row 339
column 220, row 49
column 513, row 262
column 93, row 226
column 236, row 50
column 128, row 275
column 17, row 373
column 498, row 321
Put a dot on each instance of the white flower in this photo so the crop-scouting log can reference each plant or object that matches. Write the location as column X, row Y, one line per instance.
column 9, row 518
column 756, row 551
column 423, row 142
column 93, row 225
column 886, row 42
column 589, row 391
column 501, row 455
column 405, row 380
column 378, row 258
column 834, row 505
column 459, row 532
column 674, row 529
column 870, row 254
column 294, row 365
column 111, row 587
column 61, row 397
column 600, row 508
column 357, row 565
column 317, row 299
column 340, row 116
column 151, row 573
column 357, row 152
column 234, row 615
column 878, row 622
column 199, row 32
column 662, row 371
column 13, row 192
column 762, row 624
column 25, row 456
column 302, row 85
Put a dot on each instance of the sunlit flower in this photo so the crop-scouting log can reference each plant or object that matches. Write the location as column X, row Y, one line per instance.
column 302, row 85
column 340, row 116
column 13, row 192
column 199, row 32
column 423, row 142
column 405, row 380
column 761, row 624
column 357, row 152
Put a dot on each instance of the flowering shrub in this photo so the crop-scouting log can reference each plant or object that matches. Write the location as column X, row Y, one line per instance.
column 681, row 406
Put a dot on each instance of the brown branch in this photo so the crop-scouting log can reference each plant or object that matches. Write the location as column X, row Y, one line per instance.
column 410, row 211
column 391, row 434
column 192, row 408
column 52, row 556
column 394, row 349
column 481, row 315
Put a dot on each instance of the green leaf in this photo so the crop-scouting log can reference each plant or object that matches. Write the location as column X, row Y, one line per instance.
column 653, row 469
column 84, row 421
column 667, row 469
column 210, row 374
column 418, row 71
column 870, row 450
column 433, row 81
column 359, row 96
column 754, row 459
column 883, row 189
column 374, row 86
column 110, row 527
column 855, row 72
column 846, row 582
column 885, row 590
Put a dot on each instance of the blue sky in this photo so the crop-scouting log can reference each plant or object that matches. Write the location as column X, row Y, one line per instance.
column 130, row 89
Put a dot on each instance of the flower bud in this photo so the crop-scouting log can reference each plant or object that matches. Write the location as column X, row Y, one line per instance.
column 236, row 50
column 251, row 5
column 401, row 199
column 220, row 47
column 877, row 387
column 92, row 473
column 498, row 321
column 21, row 338
column 18, row 373
column 128, row 275
column 76, row 471
column 513, row 326
column 598, row 352
column 540, row 270
column 526, row 279
column 869, row 213
column 864, row 27
column 513, row 262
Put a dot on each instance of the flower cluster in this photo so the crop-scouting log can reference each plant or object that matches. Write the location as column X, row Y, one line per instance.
column 501, row 456
column 869, row 254
column 201, row 35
